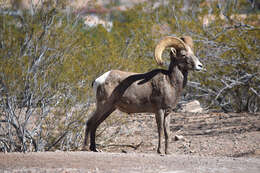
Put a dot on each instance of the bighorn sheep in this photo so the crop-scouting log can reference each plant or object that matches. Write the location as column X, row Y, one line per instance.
column 156, row 91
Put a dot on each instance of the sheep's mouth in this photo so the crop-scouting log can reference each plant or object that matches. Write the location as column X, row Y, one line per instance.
column 200, row 69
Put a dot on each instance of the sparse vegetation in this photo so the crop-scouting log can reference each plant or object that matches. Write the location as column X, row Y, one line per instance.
column 48, row 60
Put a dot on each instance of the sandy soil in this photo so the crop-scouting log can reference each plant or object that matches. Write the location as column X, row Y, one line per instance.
column 213, row 142
column 119, row 162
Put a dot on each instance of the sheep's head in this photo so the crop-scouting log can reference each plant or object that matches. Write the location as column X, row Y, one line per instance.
column 181, row 52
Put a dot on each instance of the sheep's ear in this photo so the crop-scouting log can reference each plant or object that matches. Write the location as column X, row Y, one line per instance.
column 188, row 40
column 173, row 51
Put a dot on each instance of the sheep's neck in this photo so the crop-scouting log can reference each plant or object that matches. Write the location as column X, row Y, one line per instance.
column 177, row 77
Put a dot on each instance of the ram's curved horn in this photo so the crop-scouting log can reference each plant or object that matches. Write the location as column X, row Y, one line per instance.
column 168, row 41
column 188, row 40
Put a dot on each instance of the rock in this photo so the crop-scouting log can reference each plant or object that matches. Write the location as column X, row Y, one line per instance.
column 193, row 106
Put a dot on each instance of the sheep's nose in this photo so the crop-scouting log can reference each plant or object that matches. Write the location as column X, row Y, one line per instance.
column 199, row 66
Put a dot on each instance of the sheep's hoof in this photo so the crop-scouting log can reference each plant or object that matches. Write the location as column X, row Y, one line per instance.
column 94, row 149
column 159, row 151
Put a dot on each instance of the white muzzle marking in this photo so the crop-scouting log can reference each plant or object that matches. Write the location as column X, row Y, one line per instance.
column 198, row 64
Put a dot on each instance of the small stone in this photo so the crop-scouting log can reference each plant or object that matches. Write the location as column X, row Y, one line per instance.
column 178, row 137
column 124, row 151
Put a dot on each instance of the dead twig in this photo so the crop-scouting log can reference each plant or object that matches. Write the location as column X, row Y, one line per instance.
column 122, row 145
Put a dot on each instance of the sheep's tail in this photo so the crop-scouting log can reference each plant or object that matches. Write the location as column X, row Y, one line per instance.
column 92, row 84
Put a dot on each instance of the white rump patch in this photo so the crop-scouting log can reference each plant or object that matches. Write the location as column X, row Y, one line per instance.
column 100, row 80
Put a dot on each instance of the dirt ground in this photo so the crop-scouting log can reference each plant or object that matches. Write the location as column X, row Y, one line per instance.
column 212, row 142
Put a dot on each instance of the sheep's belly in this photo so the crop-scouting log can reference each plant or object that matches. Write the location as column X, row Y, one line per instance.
column 135, row 106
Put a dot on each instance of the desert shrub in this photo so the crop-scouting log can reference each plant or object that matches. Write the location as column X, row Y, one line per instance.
column 34, row 79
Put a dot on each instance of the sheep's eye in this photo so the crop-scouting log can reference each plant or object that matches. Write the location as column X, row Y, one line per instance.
column 182, row 53
column 184, row 57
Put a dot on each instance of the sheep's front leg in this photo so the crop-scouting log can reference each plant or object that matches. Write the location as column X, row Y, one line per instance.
column 166, row 126
column 159, row 121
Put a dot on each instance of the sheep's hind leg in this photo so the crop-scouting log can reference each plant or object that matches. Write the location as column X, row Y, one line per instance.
column 86, row 138
column 88, row 127
column 94, row 129
column 159, row 121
